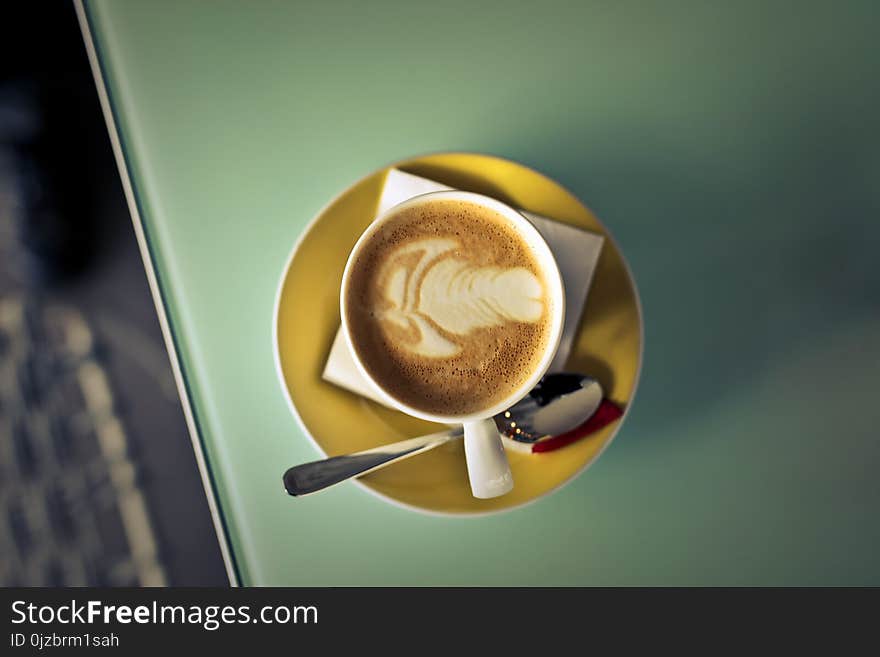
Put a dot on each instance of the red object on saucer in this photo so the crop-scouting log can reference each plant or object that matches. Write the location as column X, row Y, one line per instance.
column 607, row 413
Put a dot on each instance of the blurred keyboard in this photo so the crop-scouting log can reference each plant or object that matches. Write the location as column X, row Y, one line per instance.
column 71, row 509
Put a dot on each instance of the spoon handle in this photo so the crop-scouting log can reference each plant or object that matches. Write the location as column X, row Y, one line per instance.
column 311, row 477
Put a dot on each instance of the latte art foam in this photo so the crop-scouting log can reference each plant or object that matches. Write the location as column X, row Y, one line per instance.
column 447, row 307
column 454, row 295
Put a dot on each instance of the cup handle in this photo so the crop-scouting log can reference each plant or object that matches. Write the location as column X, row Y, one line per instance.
column 488, row 469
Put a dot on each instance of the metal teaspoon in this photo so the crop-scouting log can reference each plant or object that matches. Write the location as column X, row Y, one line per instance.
column 559, row 403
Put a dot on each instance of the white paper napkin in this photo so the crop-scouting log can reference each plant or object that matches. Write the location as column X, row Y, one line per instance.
column 576, row 252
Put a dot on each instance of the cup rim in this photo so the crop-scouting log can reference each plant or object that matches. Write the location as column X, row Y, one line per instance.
column 551, row 272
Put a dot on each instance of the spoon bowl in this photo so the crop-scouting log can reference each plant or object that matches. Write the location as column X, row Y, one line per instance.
column 557, row 404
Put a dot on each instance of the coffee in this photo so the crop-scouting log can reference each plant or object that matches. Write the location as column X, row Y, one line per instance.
column 448, row 308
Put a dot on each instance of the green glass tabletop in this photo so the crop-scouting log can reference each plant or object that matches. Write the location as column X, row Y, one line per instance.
column 732, row 148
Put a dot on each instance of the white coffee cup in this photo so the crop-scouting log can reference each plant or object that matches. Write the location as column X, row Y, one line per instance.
column 488, row 469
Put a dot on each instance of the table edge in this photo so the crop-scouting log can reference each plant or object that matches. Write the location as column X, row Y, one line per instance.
column 156, row 294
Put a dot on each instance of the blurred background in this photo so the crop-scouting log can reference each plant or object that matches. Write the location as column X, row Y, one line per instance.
column 98, row 482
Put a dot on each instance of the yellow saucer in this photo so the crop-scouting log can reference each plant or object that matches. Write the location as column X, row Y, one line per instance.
column 608, row 345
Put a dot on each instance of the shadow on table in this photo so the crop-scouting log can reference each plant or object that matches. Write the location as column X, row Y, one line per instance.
column 742, row 245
